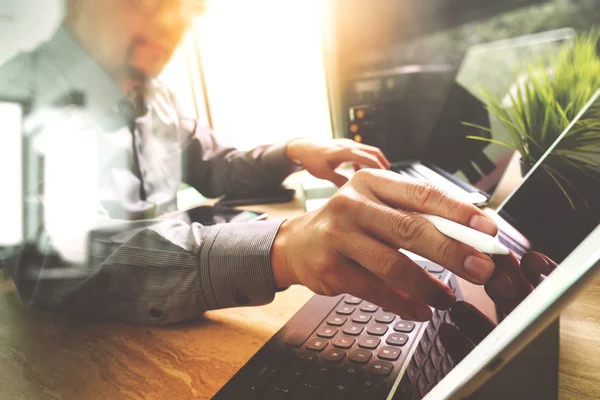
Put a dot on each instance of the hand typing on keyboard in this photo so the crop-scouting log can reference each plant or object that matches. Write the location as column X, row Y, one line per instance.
column 350, row 245
column 510, row 284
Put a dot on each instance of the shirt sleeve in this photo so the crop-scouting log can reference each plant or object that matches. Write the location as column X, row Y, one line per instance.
column 148, row 271
column 143, row 271
column 214, row 169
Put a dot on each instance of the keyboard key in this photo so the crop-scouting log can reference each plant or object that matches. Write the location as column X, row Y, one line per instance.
column 344, row 342
column 255, row 383
column 339, row 391
column 431, row 266
column 385, row 318
column 307, row 391
column 334, row 355
column 319, row 374
column 350, row 372
column 308, row 357
column 440, row 347
column 316, row 344
column 447, row 366
column 368, row 342
column 397, row 339
column 290, row 376
column 278, row 392
column 430, row 371
column 327, row 332
column 360, row 356
column 413, row 373
column 368, row 307
column 436, row 358
column 423, row 385
column 345, row 310
column 389, row 353
column 377, row 329
column 336, row 320
column 352, row 300
column 438, row 275
column 431, row 332
column 404, row 326
column 382, row 368
column 354, row 329
column 296, row 339
column 419, row 357
column 369, row 386
column 437, row 319
column 362, row 318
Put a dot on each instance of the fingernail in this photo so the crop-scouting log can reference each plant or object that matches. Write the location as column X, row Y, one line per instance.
column 424, row 313
column 483, row 224
column 480, row 267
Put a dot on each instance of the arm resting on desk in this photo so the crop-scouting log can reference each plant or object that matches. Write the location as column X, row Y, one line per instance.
column 162, row 273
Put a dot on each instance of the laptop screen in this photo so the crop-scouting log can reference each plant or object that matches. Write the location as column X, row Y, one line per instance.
column 488, row 70
column 412, row 70
column 11, row 201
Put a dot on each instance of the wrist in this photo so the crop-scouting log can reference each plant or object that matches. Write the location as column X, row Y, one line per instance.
column 293, row 150
column 279, row 262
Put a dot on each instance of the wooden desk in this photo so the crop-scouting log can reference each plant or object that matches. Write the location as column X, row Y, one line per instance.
column 45, row 355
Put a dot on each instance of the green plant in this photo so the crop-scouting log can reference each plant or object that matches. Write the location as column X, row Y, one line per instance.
column 545, row 99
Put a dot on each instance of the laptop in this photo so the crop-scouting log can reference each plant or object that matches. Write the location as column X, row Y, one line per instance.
column 343, row 347
column 467, row 168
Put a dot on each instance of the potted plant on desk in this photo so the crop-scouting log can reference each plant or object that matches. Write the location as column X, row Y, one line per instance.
column 543, row 102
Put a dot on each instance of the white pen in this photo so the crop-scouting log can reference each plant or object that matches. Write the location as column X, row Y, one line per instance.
column 478, row 240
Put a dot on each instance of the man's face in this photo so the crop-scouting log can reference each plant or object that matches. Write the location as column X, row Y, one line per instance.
column 136, row 37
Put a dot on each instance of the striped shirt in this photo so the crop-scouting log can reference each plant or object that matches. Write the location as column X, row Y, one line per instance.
column 103, row 172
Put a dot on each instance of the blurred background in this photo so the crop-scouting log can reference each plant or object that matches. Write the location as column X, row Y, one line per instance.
column 266, row 71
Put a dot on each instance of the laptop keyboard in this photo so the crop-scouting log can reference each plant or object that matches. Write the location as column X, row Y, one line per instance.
column 355, row 350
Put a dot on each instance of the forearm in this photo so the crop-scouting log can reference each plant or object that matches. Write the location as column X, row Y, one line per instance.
column 162, row 273
column 214, row 169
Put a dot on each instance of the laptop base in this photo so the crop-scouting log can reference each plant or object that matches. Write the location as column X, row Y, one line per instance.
column 532, row 374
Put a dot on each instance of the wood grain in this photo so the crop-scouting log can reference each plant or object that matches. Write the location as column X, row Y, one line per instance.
column 45, row 355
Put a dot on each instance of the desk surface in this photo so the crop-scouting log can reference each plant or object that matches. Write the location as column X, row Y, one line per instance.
column 45, row 355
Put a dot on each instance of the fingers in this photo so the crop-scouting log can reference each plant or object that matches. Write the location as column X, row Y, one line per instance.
column 377, row 153
column 361, row 283
column 371, row 150
column 414, row 233
column 508, row 286
column 455, row 342
column 361, row 157
column 395, row 268
column 472, row 322
column 534, row 265
column 412, row 195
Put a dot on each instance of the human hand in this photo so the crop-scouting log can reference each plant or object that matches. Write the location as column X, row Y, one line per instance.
column 350, row 245
column 508, row 286
column 321, row 157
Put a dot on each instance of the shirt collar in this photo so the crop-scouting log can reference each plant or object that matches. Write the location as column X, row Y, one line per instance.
column 84, row 73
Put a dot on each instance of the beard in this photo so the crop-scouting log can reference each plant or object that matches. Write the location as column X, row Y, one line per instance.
column 142, row 64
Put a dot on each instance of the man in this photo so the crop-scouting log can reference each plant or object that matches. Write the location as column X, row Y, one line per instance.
column 113, row 159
